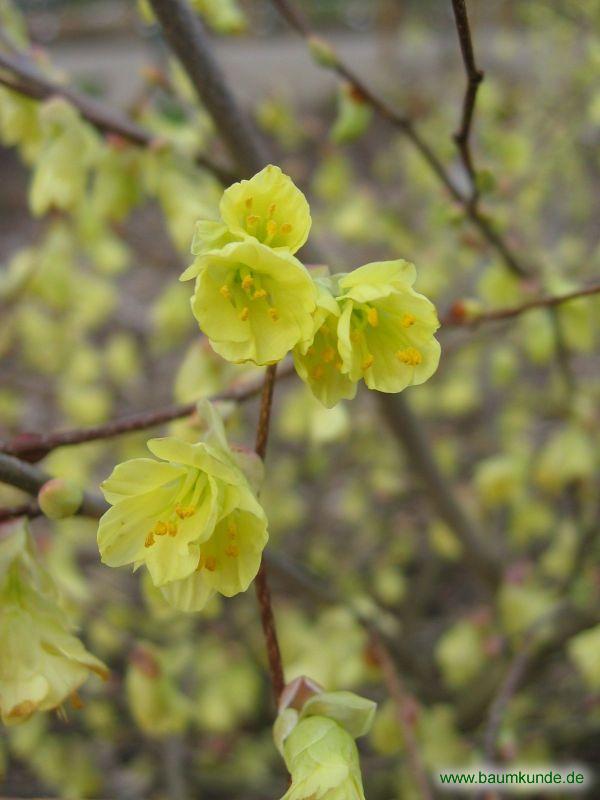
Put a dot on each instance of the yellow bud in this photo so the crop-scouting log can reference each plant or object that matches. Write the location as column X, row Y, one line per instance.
column 59, row 498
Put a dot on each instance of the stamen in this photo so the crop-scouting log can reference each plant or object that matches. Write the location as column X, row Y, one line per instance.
column 286, row 228
column 224, row 291
column 232, row 530
column 160, row 528
column 76, row 700
column 408, row 320
column 274, row 314
column 248, row 202
column 232, row 550
column 172, row 529
column 318, row 372
column 149, row 539
column 259, row 294
column 271, row 228
column 355, row 336
column 328, row 355
column 368, row 362
column 185, row 511
column 272, row 209
column 410, row 356
column 211, row 563
column 338, row 365
column 244, row 313
column 373, row 317
column 251, row 220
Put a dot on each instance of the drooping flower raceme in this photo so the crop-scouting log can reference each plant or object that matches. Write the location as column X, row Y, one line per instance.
column 254, row 303
column 41, row 662
column 190, row 517
column 375, row 327
column 253, row 299
column 317, row 744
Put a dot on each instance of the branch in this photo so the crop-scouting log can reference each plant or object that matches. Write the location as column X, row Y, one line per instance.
column 405, row 125
column 31, row 479
column 261, row 583
column 474, row 78
column 26, row 79
column 404, row 426
column 405, row 706
column 187, row 38
column 458, row 316
column 34, row 446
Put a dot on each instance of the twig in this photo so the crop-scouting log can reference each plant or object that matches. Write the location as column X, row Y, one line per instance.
column 459, row 316
column 31, row 479
column 30, row 509
column 28, row 80
column 405, row 707
column 406, row 126
column 483, row 559
column 34, row 446
column 474, row 78
column 261, row 582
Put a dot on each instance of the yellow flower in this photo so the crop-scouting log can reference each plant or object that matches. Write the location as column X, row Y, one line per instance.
column 268, row 208
column 318, row 362
column 386, row 329
column 191, row 518
column 254, row 303
column 41, row 662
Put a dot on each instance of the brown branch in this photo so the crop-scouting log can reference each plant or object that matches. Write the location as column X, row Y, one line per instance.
column 26, row 79
column 458, row 316
column 34, row 446
column 474, row 78
column 30, row 509
column 406, row 126
column 405, row 706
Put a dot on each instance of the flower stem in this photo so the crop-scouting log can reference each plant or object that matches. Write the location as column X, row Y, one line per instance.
column 261, row 581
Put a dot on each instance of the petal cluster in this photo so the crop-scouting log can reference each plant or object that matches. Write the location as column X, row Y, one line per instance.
column 317, row 743
column 370, row 325
column 189, row 516
column 41, row 662
column 253, row 298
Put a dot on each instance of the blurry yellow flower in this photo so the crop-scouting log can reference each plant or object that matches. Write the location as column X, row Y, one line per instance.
column 41, row 662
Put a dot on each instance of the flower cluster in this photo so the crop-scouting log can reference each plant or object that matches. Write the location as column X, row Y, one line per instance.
column 41, row 662
column 189, row 515
column 316, row 739
column 255, row 301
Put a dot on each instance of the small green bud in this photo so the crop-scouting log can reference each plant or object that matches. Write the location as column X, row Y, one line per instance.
column 60, row 498
column 322, row 52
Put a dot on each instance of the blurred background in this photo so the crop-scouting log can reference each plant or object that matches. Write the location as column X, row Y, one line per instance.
column 95, row 325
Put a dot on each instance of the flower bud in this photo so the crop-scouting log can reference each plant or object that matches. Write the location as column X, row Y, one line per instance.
column 322, row 52
column 60, row 498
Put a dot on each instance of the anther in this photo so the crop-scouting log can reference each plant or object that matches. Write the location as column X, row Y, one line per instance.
column 286, row 228
column 408, row 320
column 259, row 294
column 244, row 313
column 172, row 529
column 274, row 314
column 328, row 355
column 272, row 209
column 368, row 362
column 232, row 550
column 410, row 356
column 248, row 202
column 247, row 282
column 373, row 317
column 224, row 291
column 318, row 372
column 251, row 220
column 271, row 227
column 149, row 539
column 160, row 528
column 210, row 563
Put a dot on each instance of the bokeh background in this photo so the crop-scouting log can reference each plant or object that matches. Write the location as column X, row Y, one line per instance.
column 100, row 327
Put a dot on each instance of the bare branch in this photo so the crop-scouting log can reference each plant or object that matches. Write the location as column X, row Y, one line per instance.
column 459, row 316
column 405, row 125
column 25, row 78
column 31, row 479
column 474, row 78
column 34, row 446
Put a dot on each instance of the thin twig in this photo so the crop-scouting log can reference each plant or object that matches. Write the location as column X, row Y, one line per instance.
column 30, row 509
column 261, row 582
column 406, row 126
column 26, row 79
column 459, row 315
column 405, row 707
column 474, row 78
column 34, row 446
